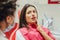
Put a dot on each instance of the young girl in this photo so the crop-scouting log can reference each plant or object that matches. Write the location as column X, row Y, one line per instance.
column 29, row 26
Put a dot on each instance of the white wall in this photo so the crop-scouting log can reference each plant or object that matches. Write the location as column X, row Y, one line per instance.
column 23, row 2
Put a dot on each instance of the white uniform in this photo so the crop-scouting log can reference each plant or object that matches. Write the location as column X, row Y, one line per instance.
column 2, row 36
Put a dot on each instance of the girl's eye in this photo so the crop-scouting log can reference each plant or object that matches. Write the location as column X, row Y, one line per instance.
column 29, row 12
column 34, row 11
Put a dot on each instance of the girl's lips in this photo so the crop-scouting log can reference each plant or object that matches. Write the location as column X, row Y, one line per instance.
column 33, row 17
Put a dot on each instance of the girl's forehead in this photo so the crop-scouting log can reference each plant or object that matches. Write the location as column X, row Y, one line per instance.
column 30, row 8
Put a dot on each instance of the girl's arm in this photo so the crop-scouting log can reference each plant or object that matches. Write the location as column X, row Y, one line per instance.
column 44, row 34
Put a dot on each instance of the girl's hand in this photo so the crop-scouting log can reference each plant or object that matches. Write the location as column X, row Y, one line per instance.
column 39, row 28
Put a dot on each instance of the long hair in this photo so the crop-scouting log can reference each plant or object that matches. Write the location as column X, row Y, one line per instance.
column 22, row 21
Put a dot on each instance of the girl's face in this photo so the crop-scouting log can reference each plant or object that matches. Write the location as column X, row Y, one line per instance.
column 31, row 15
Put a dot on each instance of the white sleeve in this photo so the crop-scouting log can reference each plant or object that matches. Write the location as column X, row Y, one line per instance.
column 19, row 35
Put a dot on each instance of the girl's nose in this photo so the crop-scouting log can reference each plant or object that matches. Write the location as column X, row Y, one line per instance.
column 33, row 14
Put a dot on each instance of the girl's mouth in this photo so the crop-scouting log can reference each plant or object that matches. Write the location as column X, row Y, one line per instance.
column 33, row 18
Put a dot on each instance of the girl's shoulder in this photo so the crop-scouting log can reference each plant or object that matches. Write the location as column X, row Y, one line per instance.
column 23, row 30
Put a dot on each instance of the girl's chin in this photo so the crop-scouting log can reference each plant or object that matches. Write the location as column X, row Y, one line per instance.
column 34, row 22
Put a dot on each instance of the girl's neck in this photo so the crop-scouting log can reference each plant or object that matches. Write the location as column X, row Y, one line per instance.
column 33, row 25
